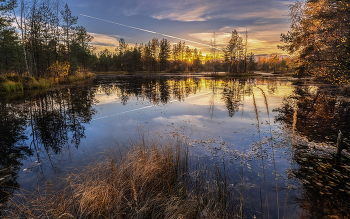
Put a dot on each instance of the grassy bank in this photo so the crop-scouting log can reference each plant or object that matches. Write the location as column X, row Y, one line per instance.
column 12, row 83
column 147, row 181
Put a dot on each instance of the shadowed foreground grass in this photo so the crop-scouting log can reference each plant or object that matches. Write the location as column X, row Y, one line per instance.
column 147, row 181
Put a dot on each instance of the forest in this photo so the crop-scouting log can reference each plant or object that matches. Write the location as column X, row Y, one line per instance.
column 42, row 39
column 45, row 40
column 162, row 129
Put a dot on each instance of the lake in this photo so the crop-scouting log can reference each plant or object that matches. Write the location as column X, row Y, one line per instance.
column 272, row 137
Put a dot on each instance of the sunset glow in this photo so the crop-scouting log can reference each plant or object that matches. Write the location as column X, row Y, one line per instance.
column 193, row 22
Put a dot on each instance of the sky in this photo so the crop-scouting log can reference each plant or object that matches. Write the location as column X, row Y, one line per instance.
column 192, row 20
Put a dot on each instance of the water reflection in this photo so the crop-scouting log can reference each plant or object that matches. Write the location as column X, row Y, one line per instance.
column 220, row 119
column 57, row 117
column 325, row 185
column 321, row 112
column 12, row 147
column 233, row 94
column 155, row 89
column 37, row 127
column 160, row 90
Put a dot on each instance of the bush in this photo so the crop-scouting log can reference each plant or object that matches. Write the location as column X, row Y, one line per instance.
column 59, row 70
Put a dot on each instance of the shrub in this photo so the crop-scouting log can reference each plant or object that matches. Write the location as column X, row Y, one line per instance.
column 59, row 70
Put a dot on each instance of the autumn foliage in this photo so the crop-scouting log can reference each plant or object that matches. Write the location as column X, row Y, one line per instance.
column 319, row 39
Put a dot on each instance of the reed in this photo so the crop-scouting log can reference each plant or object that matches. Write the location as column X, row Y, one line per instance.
column 262, row 155
column 272, row 148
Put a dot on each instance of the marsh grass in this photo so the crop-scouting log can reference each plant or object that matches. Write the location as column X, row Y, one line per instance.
column 13, row 83
column 272, row 148
column 9, row 86
column 79, row 75
column 146, row 181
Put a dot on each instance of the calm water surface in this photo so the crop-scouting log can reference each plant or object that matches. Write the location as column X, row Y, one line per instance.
column 244, row 126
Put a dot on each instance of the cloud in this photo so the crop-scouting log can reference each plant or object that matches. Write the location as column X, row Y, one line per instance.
column 204, row 10
column 221, row 37
column 261, row 39
column 196, row 20
column 102, row 41
column 270, row 13
column 187, row 15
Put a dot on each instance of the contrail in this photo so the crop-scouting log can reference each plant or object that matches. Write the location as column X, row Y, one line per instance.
column 149, row 31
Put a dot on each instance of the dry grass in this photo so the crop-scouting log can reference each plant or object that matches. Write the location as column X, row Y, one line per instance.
column 12, row 83
column 79, row 75
column 147, row 181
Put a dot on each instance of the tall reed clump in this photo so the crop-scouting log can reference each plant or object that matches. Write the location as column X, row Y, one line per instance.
column 147, row 181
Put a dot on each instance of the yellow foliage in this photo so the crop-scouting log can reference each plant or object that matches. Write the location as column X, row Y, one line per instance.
column 59, row 69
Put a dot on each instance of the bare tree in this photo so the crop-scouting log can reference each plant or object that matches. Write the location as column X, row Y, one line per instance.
column 245, row 50
column 213, row 49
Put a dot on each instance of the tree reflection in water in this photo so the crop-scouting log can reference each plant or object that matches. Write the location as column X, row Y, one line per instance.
column 322, row 112
column 12, row 147
column 326, row 185
column 54, row 119
column 160, row 90
column 52, row 122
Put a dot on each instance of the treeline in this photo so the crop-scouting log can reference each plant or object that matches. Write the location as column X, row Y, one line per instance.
column 319, row 39
column 275, row 63
column 156, row 55
column 161, row 55
column 48, row 42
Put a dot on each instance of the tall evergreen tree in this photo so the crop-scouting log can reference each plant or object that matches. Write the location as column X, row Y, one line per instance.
column 164, row 53
column 234, row 52
column 69, row 23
